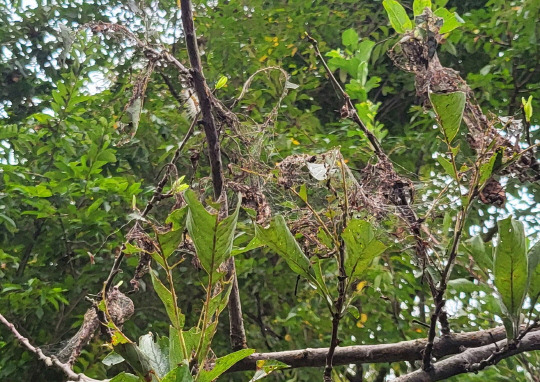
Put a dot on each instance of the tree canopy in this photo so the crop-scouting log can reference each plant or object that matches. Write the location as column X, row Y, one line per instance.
column 289, row 190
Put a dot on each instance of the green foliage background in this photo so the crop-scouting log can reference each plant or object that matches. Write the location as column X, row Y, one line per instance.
column 67, row 176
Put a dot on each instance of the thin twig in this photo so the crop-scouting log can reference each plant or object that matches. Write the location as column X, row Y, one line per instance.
column 49, row 361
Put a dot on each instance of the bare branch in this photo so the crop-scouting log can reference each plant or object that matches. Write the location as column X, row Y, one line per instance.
column 397, row 352
column 49, row 361
column 470, row 359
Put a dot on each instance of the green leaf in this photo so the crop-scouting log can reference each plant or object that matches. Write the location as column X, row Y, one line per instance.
column 221, row 82
column 476, row 247
column 170, row 304
column 156, row 352
column 125, row 377
column 213, row 240
column 169, row 241
column 253, row 244
column 510, row 267
column 527, row 107
column 303, row 193
column 179, row 374
column 361, row 247
column 486, row 169
column 534, row 272
column 280, row 240
column 223, row 364
column 364, row 50
column 349, row 38
column 449, row 108
column 397, row 15
column 178, row 218
column 419, row 5
column 176, row 356
column 447, row 165
column 134, row 357
column 451, row 20
column 112, row 359
column 266, row 367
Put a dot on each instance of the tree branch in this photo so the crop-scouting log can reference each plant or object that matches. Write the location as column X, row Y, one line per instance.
column 237, row 333
column 397, row 352
column 470, row 359
column 49, row 361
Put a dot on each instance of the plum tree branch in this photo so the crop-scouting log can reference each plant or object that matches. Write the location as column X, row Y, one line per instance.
column 472, row 360
column 381, row 353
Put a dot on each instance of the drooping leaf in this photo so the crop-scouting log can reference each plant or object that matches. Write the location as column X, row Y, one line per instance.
column 223, row 364
column 534, row 272
column 178, row 218
column 486, row 169
column 447, row 165
column 510, row 267
column 280, row 240
column 176, row 355
column 166, row 297
column 449, row 108
column 397, row 15
column 137, row 359
column 361, row 247
column 476, row 247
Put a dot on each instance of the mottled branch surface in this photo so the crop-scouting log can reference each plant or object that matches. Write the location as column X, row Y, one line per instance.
column 402, row 351
column 469, row 360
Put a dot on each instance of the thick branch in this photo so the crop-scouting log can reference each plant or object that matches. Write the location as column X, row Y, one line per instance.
column 237, row 333
column 397, row 352
column 467, row 361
